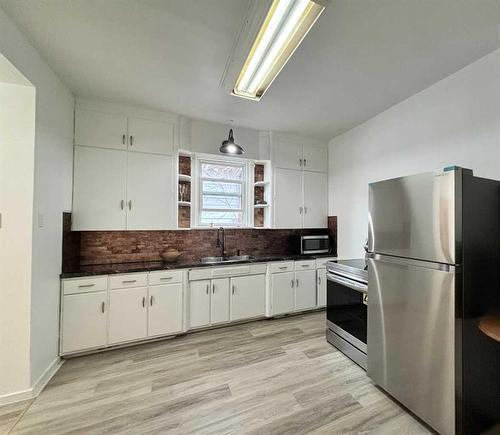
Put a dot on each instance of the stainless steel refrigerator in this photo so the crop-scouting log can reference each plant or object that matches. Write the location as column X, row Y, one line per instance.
column 433, row 275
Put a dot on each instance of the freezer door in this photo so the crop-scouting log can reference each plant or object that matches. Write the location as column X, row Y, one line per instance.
column 414, row 217
column 411, row 336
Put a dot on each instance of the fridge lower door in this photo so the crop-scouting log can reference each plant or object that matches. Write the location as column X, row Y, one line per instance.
column 411, row 336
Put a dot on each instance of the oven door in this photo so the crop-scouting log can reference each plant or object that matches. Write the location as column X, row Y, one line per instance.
column 347, row 309
column 315, row 244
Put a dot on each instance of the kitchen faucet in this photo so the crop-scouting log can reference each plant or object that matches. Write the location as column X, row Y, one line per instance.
column 221, row 241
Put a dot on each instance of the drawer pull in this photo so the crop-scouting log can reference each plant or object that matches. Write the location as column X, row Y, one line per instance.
column 166, row 278
column 86, row 285
column 283, row 267
column 305, row 265
column 130, row 281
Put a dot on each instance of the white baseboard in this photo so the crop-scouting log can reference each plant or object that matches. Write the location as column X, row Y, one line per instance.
column 37, row 387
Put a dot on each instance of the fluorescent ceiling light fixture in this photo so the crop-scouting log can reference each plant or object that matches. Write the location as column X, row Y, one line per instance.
column 284, row 28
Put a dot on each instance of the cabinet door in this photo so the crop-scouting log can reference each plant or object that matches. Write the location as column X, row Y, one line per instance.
column 150, row 192
column 287, row 151
column 321, row 287
column 305, row 289
column 99, row 189
column 100, row 129
column 219, row 304
column 283, row 292
column 288, row 204
column 315, row 200
column 151, row 136
column 128, row 314
column 248, row 296
column 315, row 159
column 84, row 320
column 165, row 309
column 199, row 303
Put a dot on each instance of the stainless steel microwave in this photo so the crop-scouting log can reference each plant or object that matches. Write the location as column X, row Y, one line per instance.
column 319, row 244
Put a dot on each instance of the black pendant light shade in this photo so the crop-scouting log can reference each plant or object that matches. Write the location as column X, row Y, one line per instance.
column 229, row 147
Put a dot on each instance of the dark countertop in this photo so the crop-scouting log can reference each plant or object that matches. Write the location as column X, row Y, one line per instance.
column 113, row 268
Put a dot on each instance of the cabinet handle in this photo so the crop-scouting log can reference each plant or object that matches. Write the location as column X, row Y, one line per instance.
column 122, row 204
column 103, row 306
column 305, row 265
column 130, row 281
column 166, row 278
column 233, row 289
column 151, row 300
column 130, row 205
column 300, row 210
column 300, row 162
column 319, row 280
column 283, row 267
column 123, row 139
column 297, row 282
column 213, row 288
column 86, row 285
column 305, row 210
column 291, row 283
column 131, row 140
column 208, row 288
column 144, row 302
column 305, row 162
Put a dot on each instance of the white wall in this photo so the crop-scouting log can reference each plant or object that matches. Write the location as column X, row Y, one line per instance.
column 17, row 133
column 455, row 121
column 52, row 190
column 207, row 137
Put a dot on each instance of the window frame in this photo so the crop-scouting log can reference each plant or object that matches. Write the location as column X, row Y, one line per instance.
column 245, row 192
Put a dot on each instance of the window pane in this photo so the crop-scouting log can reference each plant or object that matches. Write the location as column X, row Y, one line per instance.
column 221, row 218
column 220, row 187
column 224, row 202
column 210, row 170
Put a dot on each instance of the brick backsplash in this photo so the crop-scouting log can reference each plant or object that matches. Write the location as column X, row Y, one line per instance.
column 104, row 247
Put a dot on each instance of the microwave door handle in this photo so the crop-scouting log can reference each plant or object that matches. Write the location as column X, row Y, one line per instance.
column 362, row 288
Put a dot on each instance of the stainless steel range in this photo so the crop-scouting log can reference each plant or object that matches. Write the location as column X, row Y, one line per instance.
column 346, row 315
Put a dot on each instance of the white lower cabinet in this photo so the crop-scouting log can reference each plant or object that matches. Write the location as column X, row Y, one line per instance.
column 305, row 289
column 248, row 296
column 283, row 292
column 128, row 315
column 219, row 304
column 321, row 286
column 165, row 309
column 84, row 321
column 199, row 303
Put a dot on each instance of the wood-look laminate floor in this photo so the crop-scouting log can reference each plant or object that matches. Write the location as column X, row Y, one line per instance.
column 267, row 377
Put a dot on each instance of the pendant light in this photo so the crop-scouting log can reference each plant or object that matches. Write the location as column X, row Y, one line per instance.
column 229, row 147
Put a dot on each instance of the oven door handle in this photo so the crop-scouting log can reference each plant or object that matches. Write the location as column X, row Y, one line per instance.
column 353, row 285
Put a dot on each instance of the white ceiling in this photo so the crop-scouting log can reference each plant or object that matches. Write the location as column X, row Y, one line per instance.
column 361, row 57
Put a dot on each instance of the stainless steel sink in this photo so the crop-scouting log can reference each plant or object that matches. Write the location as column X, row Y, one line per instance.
column 233, row 259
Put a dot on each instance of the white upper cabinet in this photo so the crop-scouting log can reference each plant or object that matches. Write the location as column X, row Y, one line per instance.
column 150, row 136
column 150, row 192
column 288, row 203
column 100, row 189
column 100, row 129
column 287, row 151
column 296, row 152
column 315, row 200
column 315, row 159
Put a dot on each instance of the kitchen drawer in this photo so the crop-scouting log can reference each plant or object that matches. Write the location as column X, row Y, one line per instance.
column 85, row 285
column 165, row 277
column 305, row 264
column 128, row 280
column 282, row 266
column 222, row 271
column 321, row 262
